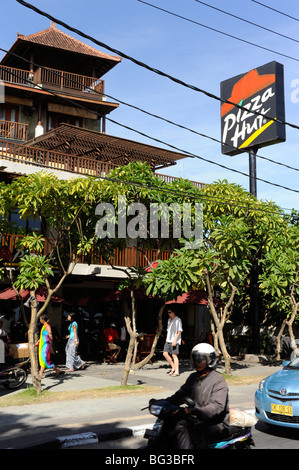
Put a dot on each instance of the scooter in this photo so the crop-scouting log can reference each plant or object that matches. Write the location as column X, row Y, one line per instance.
column 14, row 375
column 239, row 437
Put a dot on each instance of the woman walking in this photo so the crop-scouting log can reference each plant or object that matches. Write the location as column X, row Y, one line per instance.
column 45, row 344
column 73, row 361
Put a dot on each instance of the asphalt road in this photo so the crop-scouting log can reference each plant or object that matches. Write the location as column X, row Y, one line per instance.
column 25, row 426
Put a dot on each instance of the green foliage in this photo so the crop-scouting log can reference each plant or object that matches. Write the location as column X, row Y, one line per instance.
column 34, row 269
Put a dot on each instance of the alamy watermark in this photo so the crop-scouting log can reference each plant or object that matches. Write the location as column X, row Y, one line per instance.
column 136, row 220
column 295, row 93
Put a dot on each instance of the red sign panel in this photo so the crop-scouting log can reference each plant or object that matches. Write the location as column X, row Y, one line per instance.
column 253, row 97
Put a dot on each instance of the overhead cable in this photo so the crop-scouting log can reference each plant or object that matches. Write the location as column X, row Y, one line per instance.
column 218, row 31
column 142, row 64
column 277, row 11
column 152, row 114
column 185, row 152
column 248, row 22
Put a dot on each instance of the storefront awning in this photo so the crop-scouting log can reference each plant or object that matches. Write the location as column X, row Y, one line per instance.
column 41, row 295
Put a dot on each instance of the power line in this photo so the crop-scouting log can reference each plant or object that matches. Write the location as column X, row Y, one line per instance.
column 142, row 64
column 154, row 115
column 155, row 139
column 277, row 11
column 217, row 31
column 248, row 22
column 198, row 197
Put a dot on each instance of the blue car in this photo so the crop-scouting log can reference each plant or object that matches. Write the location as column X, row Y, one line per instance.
column 277, row 398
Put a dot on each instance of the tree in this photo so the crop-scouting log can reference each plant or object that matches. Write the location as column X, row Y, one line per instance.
column 237, row 229
column 66, row 209
column 280, row 281
column 144, row 192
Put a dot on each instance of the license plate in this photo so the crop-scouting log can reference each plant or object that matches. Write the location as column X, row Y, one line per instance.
column 286, row 410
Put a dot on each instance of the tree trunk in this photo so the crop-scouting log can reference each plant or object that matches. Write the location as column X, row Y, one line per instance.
column 144, row 361
column 290, row 322
column 128, row 361
column 220, row 324
column 32, row 339
column 133, row 337
column 278, row 344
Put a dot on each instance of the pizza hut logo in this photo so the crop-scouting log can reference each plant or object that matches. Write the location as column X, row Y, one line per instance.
column 253, row 110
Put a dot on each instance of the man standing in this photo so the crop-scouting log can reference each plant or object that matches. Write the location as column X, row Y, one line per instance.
column 173, row 341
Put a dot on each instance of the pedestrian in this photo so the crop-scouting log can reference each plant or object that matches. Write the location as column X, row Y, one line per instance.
column 173, row 341
column 112, row 337
column 73, row 361
column 45, row 344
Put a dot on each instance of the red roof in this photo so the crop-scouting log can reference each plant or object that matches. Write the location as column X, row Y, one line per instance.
column 55, row 49
column 53, row 37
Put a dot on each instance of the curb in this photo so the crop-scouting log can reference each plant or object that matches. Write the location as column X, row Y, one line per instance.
column 73, row 440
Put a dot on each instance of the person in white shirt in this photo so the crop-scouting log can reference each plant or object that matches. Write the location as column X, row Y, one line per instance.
column 173, row 341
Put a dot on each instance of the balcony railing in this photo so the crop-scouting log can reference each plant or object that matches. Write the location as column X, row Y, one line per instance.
column 170, row 179
column 128, row 257
column 19, row 153
column 13, row 130
column 54, row 79
column 41, row 158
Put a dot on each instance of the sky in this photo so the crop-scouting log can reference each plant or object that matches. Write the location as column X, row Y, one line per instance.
column 197, row 55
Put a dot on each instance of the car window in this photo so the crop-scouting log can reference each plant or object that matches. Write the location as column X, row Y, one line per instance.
column 294, row 364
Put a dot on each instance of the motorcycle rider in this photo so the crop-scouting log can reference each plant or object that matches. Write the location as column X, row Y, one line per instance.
column 209, row 392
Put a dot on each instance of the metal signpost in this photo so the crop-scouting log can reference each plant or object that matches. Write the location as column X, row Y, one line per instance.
column 253, row 116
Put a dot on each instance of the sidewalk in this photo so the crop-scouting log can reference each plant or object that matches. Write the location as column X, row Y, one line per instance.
column 112, row 417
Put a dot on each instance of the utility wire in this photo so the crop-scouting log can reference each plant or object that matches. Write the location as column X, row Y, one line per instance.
column 195, row 198
column 142, row 64
column 248, row 22
column 153, row 138
column 277, row 11
column 217, row 30
column 154, row 115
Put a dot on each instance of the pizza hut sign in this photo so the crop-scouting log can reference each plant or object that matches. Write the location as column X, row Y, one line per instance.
column 259, row 95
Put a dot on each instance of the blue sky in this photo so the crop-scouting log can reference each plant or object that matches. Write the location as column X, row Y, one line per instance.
column 195, row 55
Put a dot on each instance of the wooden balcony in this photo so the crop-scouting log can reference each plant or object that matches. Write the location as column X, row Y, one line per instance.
column 128, row 257
column 55, row 80
column 13, row 130
column 42, row 158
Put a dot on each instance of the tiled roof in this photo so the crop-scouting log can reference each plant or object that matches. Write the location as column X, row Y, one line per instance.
column 106, row 148
column 53, row 37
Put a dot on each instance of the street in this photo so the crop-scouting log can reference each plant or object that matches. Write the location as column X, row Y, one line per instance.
column 31, row 425
column 265, row 437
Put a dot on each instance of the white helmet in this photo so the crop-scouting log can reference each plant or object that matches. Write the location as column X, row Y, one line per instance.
column 206, row 351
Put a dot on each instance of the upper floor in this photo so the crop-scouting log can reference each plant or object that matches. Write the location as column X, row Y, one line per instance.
column 43, row 74
column 53, row 118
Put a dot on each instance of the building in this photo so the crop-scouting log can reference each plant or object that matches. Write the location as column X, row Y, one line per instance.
column 54, row 118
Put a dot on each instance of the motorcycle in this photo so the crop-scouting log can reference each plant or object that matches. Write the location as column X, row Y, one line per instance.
column 14, row 375
column 239, row 437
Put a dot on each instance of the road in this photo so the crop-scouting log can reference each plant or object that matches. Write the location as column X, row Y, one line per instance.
column 37, row 424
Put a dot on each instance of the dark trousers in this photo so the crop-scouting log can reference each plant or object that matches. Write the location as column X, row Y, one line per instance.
column 185, row 433
column 189, row 433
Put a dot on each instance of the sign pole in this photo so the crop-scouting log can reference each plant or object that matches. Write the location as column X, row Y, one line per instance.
column 254, row 274
column 252, row 171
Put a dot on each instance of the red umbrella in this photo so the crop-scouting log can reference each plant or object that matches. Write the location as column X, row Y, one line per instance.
column 41, row 295
column 198, row 297
column 9, row 294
